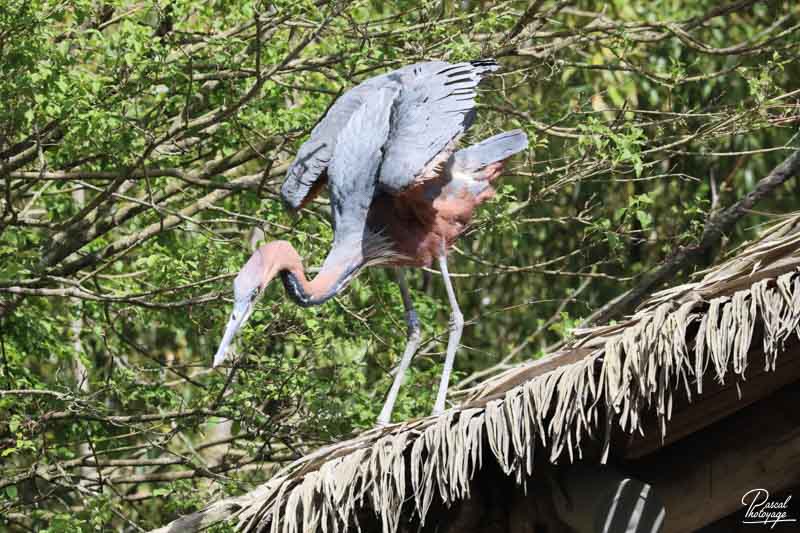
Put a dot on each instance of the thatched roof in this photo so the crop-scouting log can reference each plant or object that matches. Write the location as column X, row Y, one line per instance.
column 610, row 377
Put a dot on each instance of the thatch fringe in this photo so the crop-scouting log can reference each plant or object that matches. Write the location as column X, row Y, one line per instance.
column 681, row 336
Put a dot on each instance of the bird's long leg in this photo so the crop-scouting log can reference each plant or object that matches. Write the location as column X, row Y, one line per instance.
column 411, row 347
column 456, row 327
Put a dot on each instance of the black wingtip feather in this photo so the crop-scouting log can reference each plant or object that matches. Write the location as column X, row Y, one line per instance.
column 480, row 65
column 488, row 63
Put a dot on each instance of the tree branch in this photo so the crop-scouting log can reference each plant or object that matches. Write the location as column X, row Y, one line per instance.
column 717, row 226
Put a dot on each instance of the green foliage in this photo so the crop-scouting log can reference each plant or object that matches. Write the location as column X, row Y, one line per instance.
column 142, row 147
column 619, row 147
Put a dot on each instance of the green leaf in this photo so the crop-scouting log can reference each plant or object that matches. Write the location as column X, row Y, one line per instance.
column 645, row 219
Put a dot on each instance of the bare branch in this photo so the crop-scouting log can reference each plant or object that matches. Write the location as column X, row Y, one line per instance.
column 716, row 227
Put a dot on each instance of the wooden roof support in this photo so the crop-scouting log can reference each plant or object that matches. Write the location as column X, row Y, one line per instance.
column 600, row 499
column 703, row 477
column 718, row 400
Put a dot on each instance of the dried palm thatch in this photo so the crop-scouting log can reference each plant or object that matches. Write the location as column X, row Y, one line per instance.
column 611, row 375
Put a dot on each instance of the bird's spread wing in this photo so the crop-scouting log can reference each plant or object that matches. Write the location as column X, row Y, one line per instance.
column 355, row 163
column 314, row 156
column 433, row 109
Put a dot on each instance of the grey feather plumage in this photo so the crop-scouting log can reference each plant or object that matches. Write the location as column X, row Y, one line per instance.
column 430, row 115
column 432, row 105
column 315, row 154
column 355, row 163
column 494, row 149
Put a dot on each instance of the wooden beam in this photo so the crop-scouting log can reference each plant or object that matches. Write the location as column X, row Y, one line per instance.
column 703, row 477
column 717, row 402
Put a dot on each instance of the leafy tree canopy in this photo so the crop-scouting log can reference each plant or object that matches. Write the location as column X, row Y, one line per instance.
column 142, row 145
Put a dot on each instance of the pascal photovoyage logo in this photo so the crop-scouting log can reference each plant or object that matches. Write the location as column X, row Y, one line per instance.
column 760, row 509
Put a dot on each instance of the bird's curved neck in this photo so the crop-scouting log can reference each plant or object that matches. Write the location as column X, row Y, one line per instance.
column 319, row 290
column 336, row 272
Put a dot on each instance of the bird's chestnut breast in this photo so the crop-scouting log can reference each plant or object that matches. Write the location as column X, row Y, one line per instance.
column 420, row 220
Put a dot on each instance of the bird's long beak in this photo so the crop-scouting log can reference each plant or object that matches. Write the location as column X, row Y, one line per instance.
column 241, row 312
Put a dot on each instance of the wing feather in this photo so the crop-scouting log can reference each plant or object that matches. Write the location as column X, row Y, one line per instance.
column 355, row 163
column 315, row 154
column 434, row 108
column 433, row 104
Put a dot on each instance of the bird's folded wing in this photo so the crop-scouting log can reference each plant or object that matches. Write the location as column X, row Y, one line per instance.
column 432, row 111
column 355, row 163
column 315, row 154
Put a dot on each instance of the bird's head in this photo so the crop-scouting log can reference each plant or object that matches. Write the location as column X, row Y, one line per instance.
column 248, row 287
